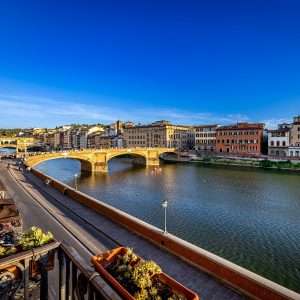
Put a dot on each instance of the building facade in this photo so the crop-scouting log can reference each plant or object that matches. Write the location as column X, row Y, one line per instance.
column 240, row 139
column 159, row 134
column 205, row 138
column 58, row 140
column 49, row 140
column 279, row 141
column 294, row 152
column 294, row 149
column 295, row 132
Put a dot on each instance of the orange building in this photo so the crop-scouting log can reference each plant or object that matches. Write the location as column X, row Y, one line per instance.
column 242, row 138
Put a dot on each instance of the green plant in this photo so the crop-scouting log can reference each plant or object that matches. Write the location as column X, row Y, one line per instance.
column 7, row 251
column 143, row 273
column 138, row 277
column 34, row 237
column 266, row 163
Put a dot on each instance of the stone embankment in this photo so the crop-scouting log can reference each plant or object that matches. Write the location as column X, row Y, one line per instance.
column 234, row 161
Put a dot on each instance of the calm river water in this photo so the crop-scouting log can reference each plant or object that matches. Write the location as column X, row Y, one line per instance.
column 250, row 217
column 7, row 150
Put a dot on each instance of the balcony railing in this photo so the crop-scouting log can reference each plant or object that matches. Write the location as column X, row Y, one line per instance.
column 53, row 271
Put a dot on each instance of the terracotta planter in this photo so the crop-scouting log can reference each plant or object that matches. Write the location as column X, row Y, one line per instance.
column 101, row 262
column 14, row 270
column 10, row 280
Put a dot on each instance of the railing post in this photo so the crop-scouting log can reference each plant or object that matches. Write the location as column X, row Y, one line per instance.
column 43, row 261
column 26, row 278
column 91, row 293
column 68, row 296
column 74, row 280
column 61, row 275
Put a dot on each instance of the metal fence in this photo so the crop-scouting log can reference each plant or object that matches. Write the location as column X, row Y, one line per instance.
column 53, row 271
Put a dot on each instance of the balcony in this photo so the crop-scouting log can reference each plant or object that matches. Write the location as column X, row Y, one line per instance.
column 54, row 267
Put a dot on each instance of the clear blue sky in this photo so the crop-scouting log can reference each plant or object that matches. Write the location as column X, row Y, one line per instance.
column 187, row 61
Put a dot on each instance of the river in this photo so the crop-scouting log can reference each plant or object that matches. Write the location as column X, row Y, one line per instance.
column 250, row 217
column 7, row 151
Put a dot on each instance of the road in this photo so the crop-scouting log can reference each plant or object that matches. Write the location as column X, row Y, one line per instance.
column 43, row 206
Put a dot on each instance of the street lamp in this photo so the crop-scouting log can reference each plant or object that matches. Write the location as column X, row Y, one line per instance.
column 75, row 181
column 165, row 205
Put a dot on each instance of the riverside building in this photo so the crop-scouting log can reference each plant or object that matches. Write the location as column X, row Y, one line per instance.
column 159, row 134
column 240, row 139
column 279, row 141
column 205, row 138
column 294, row 148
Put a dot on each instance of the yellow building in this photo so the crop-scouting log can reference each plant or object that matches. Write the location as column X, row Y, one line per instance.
column 159, row 134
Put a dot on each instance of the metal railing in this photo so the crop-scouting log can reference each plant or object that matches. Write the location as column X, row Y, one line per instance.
column 53, row 271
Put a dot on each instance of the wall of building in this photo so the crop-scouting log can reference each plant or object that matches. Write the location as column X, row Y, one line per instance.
column 205, row 138
column 278, row 142
column 240, row 139
column 159, row 135
column 295, row 132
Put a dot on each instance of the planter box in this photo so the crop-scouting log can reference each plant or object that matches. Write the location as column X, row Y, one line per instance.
column 101, row 262
column 33, row 265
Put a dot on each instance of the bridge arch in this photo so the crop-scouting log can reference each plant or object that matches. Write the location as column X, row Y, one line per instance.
column 138, row 156
column 85, row 164
column 10, row 146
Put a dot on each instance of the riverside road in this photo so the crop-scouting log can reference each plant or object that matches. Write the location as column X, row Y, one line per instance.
column 43, row 206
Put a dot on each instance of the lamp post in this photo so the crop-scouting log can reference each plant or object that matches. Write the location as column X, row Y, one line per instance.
column 75, row 181
column 165, row 205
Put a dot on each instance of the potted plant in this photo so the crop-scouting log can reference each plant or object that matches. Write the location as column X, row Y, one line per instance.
column 32, row 238
column 138, row 279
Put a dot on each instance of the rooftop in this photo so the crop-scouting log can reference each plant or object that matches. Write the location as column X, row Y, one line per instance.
column 242, row 126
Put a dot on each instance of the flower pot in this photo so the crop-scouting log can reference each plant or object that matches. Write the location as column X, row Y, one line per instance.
column 103, row 261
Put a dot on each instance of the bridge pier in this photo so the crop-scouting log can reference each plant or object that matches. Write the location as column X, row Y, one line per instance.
column 152, row 162
column 99, row 167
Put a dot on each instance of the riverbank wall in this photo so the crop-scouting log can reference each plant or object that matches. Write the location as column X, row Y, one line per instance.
column 267, row 164
column 242, row 280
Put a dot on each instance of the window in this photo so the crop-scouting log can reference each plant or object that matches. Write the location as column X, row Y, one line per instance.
column 277, row 143
column 272, row 143
column 283, row 143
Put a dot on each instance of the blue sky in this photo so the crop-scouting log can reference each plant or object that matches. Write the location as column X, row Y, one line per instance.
column 191, row 62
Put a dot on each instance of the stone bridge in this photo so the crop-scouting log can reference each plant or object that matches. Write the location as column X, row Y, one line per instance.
column 97, row 160
column 19, row 143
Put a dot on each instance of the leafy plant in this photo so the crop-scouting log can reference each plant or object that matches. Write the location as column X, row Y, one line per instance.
column 4, row 251
column 143, row 273
column 34, row 237
column 138, row 277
